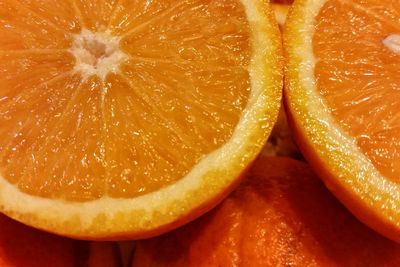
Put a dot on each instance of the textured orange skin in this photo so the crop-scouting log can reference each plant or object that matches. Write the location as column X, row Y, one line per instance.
column 319, row 164
column 357, row 207
column 281, row 215
column 22, row 246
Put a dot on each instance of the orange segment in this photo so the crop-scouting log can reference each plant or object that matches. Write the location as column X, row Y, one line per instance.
column 23, row 73
column 77, row 172
column 342, row 93
column 95, row 14
column 357, row 76
column 389, row 12
column 188, row 15
column 62, row 125
column 143, row 147
column 59, row 13
column 22, row 29
column 132, row 14
column 116, row 110
column 29, row 133
column 199, row 32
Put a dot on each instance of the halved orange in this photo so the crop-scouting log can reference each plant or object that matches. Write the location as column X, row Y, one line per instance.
column 343, row 96
column 123, row 119
column 281, row 215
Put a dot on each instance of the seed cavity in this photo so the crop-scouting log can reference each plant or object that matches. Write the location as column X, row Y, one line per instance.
column 97, row 54
column 392, row 42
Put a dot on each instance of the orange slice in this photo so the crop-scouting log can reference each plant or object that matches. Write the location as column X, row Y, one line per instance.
column 22, row 246
column 343, row 96
column 123, row 119
column 282, row 215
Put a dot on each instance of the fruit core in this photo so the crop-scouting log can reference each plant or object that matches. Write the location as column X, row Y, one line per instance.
column 97, row 53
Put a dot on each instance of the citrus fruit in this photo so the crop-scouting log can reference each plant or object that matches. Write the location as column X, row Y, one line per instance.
column 342, row 94
column 281, row 141
column 282, row 215
column 123, row 119
column 22, row 246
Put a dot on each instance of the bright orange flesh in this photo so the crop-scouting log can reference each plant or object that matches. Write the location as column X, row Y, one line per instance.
column 22, row 246
column 177, row 97
column 358, row 76
column 282, row 215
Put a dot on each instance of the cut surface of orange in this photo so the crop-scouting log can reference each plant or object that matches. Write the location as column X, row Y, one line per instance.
column 343, row 96
column 281, row 215
column 22, row 246
column 119, row 118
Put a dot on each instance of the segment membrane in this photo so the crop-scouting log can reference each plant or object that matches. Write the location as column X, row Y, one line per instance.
column 66, row 159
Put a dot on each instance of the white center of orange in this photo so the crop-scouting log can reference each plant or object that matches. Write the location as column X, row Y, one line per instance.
column 392, row 42
column 97, row 53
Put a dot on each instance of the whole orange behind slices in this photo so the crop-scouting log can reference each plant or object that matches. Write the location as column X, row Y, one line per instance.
column 136, row 119
column 22, row 246
column 281, row 215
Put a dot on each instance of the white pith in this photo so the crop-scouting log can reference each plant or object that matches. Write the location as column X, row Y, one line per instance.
column 340, row 151
column 173, row 201
column 88, row 64
column 392, row 42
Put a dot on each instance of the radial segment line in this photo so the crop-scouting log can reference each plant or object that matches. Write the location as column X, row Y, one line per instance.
column 112, row 15
column 107, row 178
column 206, row 66
column 31, row 163
column 197, row 105
column 54, row 26
column 175, row 130
column 369, row 12
column 33, row 51
column 53, row 130
column 155, row 18
column 78, row 12
column 201, row 107
column 10, row 142
column 42, row 84
column 20, row 127
column 155, row 149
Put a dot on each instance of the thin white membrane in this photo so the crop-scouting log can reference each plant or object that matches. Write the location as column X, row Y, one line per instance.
column 173, row 200
column 354, row 170
column 392, row 42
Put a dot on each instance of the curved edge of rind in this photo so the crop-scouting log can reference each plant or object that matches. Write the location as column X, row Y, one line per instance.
column 323, row 152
